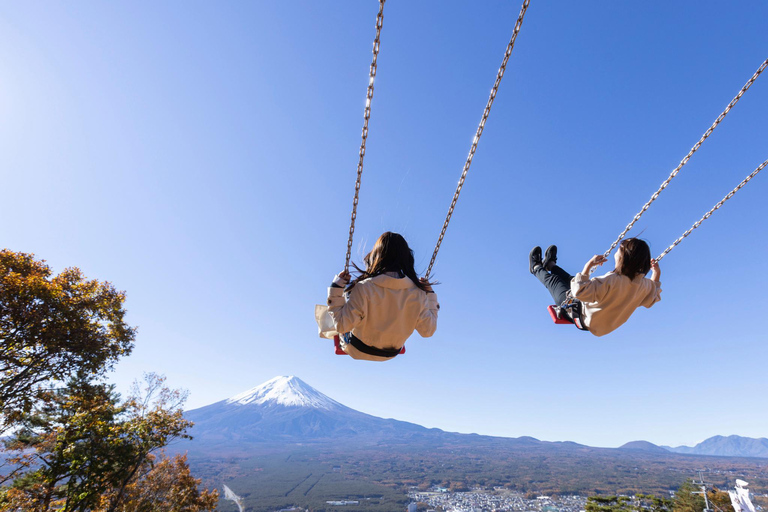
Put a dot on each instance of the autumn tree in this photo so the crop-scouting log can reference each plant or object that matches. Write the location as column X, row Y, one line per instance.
column 720, row 500
column 458, row 486
column 83, row 448
column 74, row 445
column 162, row 485
column 53, row 328
column 154, row 419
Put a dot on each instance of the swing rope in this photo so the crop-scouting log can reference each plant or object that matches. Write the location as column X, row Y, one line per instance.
column 366, row 117
column 710, row 212
column 685, row 161
column 478, row 133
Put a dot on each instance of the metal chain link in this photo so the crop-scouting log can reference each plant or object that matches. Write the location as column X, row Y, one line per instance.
column 367, row 116
column 710, row 212
column 479, row 132
column 688, row 156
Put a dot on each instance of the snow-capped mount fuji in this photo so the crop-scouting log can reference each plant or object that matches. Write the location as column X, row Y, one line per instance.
column 288, row 392
column 286, row 410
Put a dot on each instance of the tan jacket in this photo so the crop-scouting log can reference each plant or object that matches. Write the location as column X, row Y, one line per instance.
column 383, row 312
column 608, row 301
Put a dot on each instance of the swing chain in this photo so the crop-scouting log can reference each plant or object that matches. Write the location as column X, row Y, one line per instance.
column 710, row 212
column 366, row 117
column 688, row 157
column 478, row 133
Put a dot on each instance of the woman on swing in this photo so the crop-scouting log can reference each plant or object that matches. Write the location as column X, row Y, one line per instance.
column 606, row 302
column 384, row 304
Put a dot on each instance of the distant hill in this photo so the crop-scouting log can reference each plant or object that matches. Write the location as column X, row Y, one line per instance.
column 727, row 446
column 643, row 446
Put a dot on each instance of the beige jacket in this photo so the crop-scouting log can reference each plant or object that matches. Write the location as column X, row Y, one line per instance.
column 608, row 301
column 383, row 312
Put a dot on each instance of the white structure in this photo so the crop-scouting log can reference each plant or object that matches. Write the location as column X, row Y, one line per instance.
column 740, row 498
column 229, row 495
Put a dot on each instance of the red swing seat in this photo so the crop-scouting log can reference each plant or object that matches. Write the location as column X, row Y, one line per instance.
column 337, row 345
column 340, row 352
column 560, row 317
column 555, row 318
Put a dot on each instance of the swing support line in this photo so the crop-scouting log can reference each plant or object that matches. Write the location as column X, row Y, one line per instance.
column 366, row 117
column 714, row 208
column 478, row 133
column 685, row 161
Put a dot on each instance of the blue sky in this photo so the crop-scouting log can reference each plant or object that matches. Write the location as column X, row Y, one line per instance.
column 202, row 158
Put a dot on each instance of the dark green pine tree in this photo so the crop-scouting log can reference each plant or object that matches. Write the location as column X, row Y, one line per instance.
column 686, row 500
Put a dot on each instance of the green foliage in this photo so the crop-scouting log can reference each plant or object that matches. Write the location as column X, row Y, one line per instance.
column 686, row 500
column 53, row 328
column 608, row 504
column 636, row 503
column 68, row 443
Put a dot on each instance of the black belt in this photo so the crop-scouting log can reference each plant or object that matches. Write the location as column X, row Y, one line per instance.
column 371, row 351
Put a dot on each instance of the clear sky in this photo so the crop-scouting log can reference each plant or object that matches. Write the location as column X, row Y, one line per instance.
column 201, row 156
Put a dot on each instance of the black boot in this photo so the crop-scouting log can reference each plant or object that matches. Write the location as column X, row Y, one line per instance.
column 550, row 258
column 534, row 259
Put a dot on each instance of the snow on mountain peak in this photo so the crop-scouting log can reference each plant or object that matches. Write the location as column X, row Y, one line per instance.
column 288, row 391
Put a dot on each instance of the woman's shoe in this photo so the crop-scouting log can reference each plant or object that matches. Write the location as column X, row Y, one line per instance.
column 550, row 258
column 534, row 259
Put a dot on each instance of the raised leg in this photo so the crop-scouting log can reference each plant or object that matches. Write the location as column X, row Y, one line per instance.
column 558, row 282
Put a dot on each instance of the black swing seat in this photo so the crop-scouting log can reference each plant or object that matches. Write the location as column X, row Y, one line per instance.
column 340, row 351
column 567, row 313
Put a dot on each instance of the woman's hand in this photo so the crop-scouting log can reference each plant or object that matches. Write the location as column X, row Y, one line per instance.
column 341, row 279
column 655, row 271
column 427, row 287
column 595, row 261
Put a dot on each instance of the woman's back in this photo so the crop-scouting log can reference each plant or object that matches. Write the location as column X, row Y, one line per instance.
column 609, row 300
column 381, row 308
column 389, row 310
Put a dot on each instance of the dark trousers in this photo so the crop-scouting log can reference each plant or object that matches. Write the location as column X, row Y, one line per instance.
column 558, row 282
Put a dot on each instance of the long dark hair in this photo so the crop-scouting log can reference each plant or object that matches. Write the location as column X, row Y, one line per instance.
column 634, row 258
column 390, row 253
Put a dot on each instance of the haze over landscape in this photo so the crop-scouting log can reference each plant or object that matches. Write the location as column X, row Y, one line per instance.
column 284, row 443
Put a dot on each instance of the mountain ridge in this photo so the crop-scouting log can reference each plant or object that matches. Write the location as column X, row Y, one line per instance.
column 286, row 410
column 726, row 446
